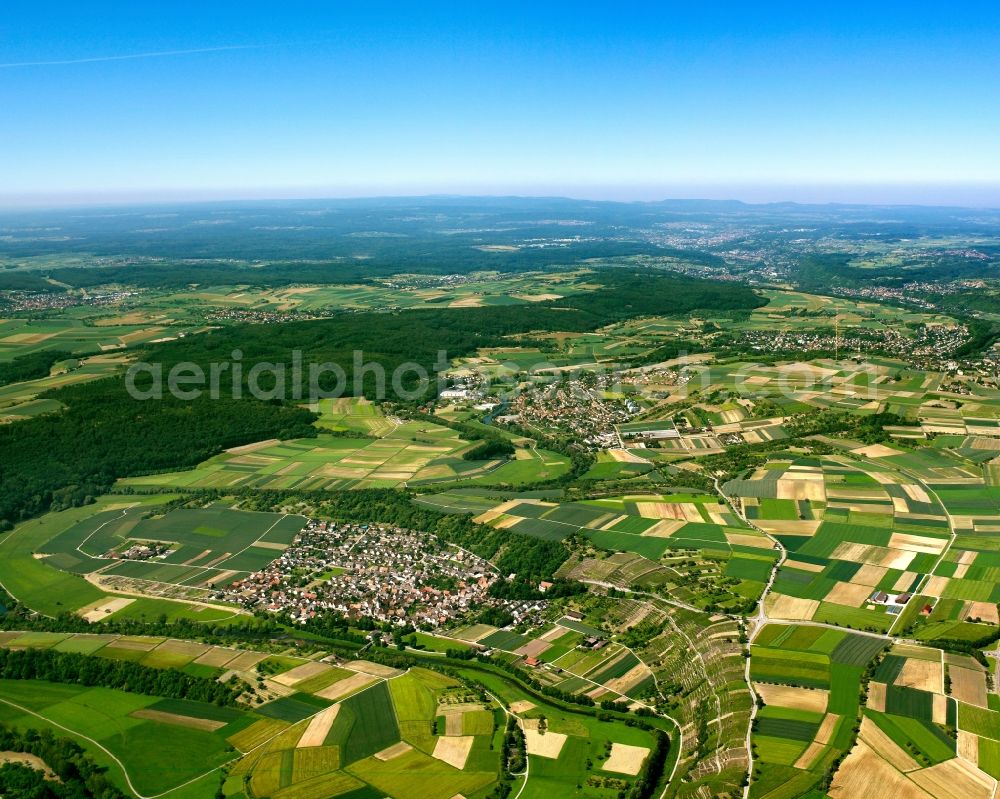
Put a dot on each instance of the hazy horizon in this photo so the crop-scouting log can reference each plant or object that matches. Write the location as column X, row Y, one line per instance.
column 977, row 196
column 889, row 104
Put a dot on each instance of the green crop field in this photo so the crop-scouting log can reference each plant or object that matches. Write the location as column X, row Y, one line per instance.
column 157, row 756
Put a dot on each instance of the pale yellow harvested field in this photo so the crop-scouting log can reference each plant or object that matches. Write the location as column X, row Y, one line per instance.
column 535, row 297
column 274, row 544
column 300, row 673
column 191, row 648
column 547, row 744
column 245, row 661
column 814, row 700
column 955, row 779
column 984, row 611
column 869, row 575
column 26, row 338
column 319, row 727
column 625, row 759
column 781, row 606
column 876, row 696
column 455, row 750
column 877, row 556
column 888, row 749
column 453, row 724
column 966, row 559
column 612, row 522
column 850, row 594
column 507, row 521
column 217, row 656
column 916, row 493
column 968, row 686
column 630, row 679
column 142, row 646
column 924, row 675
column 447, row 706
column 899, row 505
column 375, row 669
column 904, row 582
column 181, row 721
column 686, row 511
column 346, row 686
column 803, row 566
column 808, row 757
column 799, row 489
column 521, row 706
column 876, row 451
column 220, row 577
column 718, row 516
column 968, row 746
column 918, row 543
column 253, row 447
column 939, row 709
column 488, row 516
column 104, row 608
column 935, row 586
column 804, row 527
column 624, row 456
column 600, row 521
column 467, row 302
column 275, row 688
column 826, row 728
column 744, row 540
column 532, row 648
column 392, row 752
column 864, row 774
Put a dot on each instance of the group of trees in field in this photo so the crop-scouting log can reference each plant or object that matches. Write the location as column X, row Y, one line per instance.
column 79, row 777
column 31, row 366
column 77, row 669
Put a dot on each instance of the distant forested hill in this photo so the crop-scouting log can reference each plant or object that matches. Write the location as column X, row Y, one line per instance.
column 60, row 459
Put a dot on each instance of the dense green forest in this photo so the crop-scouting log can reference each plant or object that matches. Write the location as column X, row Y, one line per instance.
column 423, row 336
column 79, row 777
column 31, row 366
column 62, row 459
column 124, row 675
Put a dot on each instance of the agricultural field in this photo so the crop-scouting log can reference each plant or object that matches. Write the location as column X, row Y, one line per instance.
column 201, row 549
column 160, row 744
column 648, row 524
column 407, row 452
column 418, row 734
column 68, row 561
column 926, row 728
column 869, row 541
column 567, row 749
column 23, row 336
column 56, row 583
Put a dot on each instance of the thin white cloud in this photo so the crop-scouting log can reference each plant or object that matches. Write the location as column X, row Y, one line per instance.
column 130, row 56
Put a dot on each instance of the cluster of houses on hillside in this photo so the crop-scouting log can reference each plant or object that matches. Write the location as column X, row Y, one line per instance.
column 383, row 573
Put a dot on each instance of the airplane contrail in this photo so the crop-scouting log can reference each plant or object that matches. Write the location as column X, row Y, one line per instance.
column 129, row 56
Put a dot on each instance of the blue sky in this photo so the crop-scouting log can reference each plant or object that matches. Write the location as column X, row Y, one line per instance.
column 772, row 100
